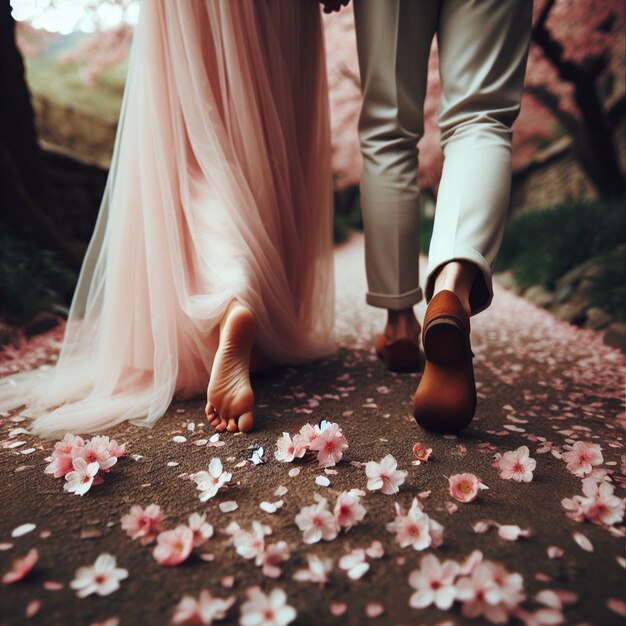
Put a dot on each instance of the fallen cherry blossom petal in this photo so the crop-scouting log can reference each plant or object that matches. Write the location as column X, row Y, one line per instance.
column 582, row 541
column 228, row 506
column 511, row 532
column 374, row 609
column 23, row 530
column 554, row 552
column 337, row 609
column 21, row 567
column 33, row 607
column 617, row 606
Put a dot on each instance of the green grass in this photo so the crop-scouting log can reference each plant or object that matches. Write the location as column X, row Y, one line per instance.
column 541, row 246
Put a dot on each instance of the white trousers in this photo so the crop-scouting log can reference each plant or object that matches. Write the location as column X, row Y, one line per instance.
column 483, row 47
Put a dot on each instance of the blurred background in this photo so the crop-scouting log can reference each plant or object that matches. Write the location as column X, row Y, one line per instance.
column 63, row 67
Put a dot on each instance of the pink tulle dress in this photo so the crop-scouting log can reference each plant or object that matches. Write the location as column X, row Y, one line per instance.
column 219, row 188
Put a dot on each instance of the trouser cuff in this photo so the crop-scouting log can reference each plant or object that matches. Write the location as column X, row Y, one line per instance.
column 396, row 302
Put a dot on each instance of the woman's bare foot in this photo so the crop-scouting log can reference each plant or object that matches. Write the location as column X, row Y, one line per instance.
column 230, row 400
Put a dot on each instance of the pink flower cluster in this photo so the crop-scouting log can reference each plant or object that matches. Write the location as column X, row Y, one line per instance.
column 173, row 546
column 318, row 521
column 251, row 544
column 325, row 441
column 83, row 463
column 598, row 504
column 483, row 588
column 415, row 528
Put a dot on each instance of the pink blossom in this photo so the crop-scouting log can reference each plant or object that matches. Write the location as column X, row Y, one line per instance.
column 274, row 554
column 434, row 583
column 262, row 609
column 103, row 577
column 173, row 546
column 201, row 529
column 307, row 435
column 317, row 570
column 421, row 452
column 250, row 544
column 79, row 480
column 582, row 458
column 96, row 451
column 143, row 524
column 464, row 487
column 413, row 528
column 110, row 444
column 329, row 445
column 348, row 509
column 209, row 483
column 205, row 610
column 516, row 465
column 384, row 475
column 598, row 504
column 62, row 455
column 21, row 567
column 490, row 591
column 289, row 449
column 317, row 522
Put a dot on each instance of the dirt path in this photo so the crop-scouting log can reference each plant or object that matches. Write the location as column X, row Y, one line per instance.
column 542, row 383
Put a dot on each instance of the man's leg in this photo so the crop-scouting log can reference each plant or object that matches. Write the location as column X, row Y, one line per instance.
column 483, row 46
column 394, row 39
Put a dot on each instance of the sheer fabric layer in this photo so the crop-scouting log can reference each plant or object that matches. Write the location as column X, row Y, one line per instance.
column 219, row 188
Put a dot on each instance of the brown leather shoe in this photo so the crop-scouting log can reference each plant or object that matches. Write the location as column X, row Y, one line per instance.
column 402, row 355
column 445, row 400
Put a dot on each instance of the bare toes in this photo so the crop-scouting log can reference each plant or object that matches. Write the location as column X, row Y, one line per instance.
column 232, row 426
column 245, row 422
column 221, row 427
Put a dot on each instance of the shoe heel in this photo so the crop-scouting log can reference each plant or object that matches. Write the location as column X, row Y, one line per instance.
column 403, row 356
column 445, row 342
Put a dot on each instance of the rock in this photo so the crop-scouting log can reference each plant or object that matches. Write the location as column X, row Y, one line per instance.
column 572, row 278
column 574, row 311
column 540, row 296
column 615, row 336
column 588, row 276
column 41, row 323
column 564, row 293
column 597, row 318
column 506, row 279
